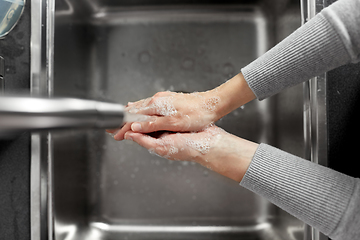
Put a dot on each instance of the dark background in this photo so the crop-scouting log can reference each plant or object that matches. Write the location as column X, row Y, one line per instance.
column 15, row 152
column 343, row 101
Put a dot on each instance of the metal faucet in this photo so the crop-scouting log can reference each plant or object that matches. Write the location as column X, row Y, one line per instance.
column 28, row 113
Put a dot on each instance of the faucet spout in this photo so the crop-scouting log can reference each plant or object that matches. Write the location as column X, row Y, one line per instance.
column 28, row 113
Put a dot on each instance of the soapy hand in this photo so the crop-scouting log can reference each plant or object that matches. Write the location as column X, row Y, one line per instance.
column 178, row 112
column 213, row 148
column 170, row 111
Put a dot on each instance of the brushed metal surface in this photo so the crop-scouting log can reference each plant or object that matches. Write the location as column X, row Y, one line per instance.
column 105, row 189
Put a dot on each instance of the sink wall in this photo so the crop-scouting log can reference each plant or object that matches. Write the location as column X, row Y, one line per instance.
column 124, row 51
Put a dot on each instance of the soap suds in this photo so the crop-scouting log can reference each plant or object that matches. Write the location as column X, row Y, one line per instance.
column 202, row 145
column 168, row 145
column 196, row 94
column 210, row 104
column 172, row 150
column 164, row 106
column 160, row 105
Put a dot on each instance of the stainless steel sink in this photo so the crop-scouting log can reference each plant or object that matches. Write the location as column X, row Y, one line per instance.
column 127, row 50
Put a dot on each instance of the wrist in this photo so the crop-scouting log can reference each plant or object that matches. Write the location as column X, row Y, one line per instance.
column 232, row 94
column 229, row 156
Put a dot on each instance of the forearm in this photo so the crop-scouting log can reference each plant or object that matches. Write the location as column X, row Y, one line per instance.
column 327, row 41
column 319, row 196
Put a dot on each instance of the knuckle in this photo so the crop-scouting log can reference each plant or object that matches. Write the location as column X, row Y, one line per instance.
column 175, row 122
column 151, row 126
column 162, row 94
column 161, row 150
column 158, row 94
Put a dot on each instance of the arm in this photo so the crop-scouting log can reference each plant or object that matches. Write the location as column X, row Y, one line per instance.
column 329, row 40
column 180, row 112
column 321, row 197
column 213, row 148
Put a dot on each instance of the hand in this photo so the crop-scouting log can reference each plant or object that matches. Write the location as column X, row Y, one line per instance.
column 178, row 112
column 213, row 148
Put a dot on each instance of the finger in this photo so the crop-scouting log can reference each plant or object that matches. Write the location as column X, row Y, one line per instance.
column 134, row 107
column 159, row 104
column 119, row 136
column 111, row 130
column 150, row 109
column 158, row 124
column 142, row 139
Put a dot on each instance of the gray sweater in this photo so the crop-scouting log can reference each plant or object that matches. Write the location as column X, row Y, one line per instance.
column 321, row 197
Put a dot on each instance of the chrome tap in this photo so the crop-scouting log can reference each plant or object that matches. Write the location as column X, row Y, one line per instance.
column 28, row 113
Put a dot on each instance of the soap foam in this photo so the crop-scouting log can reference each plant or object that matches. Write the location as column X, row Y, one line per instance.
column 164, row 106
column 169, row 145
column 202, row 145
column 211, row 103
column 196, row 94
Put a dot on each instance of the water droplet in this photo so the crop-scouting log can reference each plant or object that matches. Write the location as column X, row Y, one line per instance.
column 228, row 70
column 171, row 88
column 201, row 51
column 188, row 64
column 144, row 57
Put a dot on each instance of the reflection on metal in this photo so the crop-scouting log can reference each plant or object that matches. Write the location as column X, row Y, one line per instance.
column 10, row 13
column 65, row 8
column 29, row 113
column 2, row 74
column 42, row 37
column 67, row 231
column 179, row 229
column 315, row 110
column 115, row 190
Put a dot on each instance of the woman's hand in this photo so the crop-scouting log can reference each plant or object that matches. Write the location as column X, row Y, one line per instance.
column 176, row 112
column 179, row 112
column 213, row 148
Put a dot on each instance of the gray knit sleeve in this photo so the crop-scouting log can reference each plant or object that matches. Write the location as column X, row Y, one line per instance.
column 344, row 16
column 329, row 40
column 321, row 197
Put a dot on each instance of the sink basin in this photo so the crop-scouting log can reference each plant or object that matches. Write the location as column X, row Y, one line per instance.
column 128, row 50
